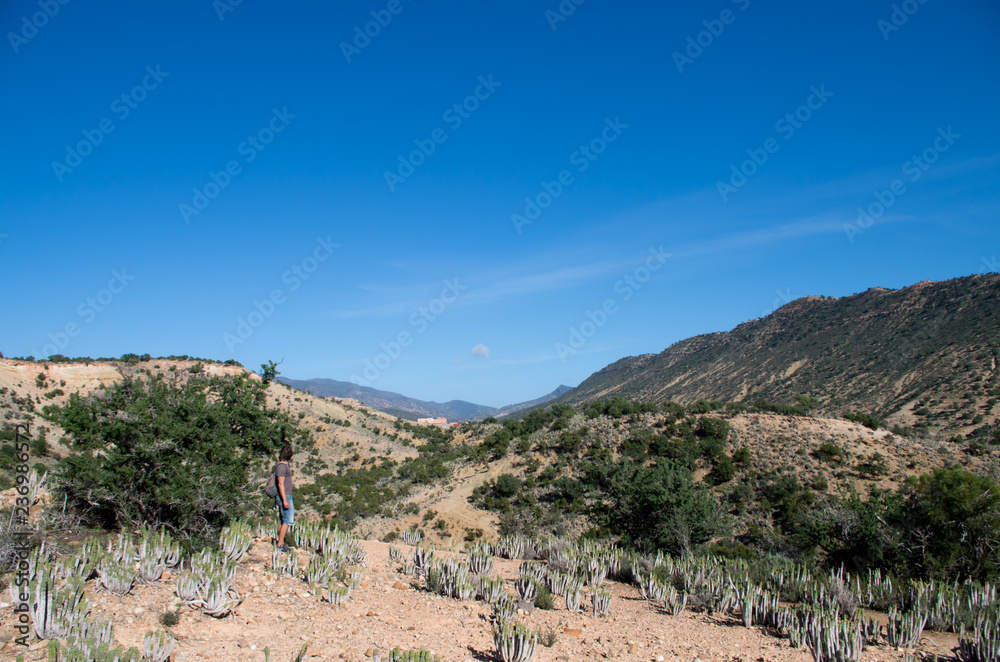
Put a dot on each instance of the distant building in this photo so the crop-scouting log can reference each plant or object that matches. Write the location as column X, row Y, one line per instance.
column 442, row 421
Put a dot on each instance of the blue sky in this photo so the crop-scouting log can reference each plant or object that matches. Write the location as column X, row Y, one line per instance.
column 479, row 201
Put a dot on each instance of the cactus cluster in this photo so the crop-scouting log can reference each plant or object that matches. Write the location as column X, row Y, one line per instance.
column 491, row 589
column 480, row 558
column 573, row 598
column 526, row 587
column 412, row 537
column 514, row 642
column 235, row 541
column 983, row 645
column 904, row 629
column 504, row 609
column 208, row 584
column 35, row 483
column 513, row 547
column 117, row 579
column 399, row 655
column 600, row 602
column 422, row 558
column 157, row 646
column 831, row 638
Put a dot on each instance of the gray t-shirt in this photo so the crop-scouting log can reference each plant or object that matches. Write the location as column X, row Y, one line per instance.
column 283, row 471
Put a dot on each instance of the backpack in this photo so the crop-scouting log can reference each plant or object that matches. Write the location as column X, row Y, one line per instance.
column 271, row 488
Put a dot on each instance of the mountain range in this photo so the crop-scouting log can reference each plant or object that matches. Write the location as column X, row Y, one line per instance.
column 412, row 408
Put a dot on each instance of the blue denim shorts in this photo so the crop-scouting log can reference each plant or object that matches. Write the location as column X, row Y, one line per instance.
column 287, row 516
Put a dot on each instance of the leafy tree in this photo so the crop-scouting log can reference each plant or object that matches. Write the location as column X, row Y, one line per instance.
column 723, row 471
column 185, row 457
column 268, row 372
column 657, row 507
column 952, row 521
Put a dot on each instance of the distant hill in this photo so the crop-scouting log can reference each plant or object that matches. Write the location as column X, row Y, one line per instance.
column 411, row 408
column 531, row 404
column 922, row 356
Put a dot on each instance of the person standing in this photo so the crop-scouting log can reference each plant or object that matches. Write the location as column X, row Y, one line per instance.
column 286, row 508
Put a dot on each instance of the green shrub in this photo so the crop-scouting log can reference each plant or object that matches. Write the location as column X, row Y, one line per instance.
column 544, row 598
column 829, row 452
column 150, row 452
column 866, row 420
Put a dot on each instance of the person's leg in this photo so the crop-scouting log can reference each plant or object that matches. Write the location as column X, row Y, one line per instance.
column 287, row 518
column 282, row 526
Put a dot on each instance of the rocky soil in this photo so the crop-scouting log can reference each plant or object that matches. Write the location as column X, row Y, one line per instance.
column 390, row 609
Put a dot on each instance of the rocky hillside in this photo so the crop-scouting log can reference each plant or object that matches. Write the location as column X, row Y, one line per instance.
column 923, row 357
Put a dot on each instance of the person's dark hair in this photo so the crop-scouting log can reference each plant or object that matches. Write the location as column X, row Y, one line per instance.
column 285, row 454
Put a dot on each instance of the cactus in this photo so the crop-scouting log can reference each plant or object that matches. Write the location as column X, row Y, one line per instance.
column 35, row 483
column 491, row 589
column 318, row 573
column 573, row 598
column 396, row 556
column 338, row 595
column 601, row 600
column 514, row 642
column 116, row 579
column 43, row 607
column 904, row 630
column 422, row 559
column 187, row 587
column 597, row 571
column 235, row 541
column 150, row 570
column 98, row 630
column 832, row 639
column 399, row 655
column 526, row 588
column 412, row 537
column 983, row 645
column 674, row 602
column 219, row 599
column 504, row 609
column 157, row 646
column 535, row 571
column 481, row 559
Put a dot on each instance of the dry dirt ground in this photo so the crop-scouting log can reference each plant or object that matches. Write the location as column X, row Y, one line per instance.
column 390, row 609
